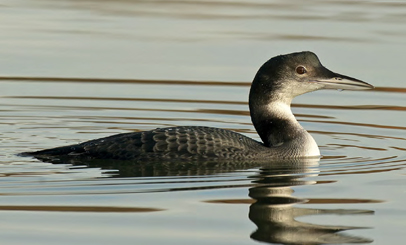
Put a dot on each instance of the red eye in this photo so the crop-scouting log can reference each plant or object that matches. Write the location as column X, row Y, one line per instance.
column 300, row 70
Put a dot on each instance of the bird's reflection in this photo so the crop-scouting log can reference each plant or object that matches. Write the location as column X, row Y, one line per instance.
column 274, row 210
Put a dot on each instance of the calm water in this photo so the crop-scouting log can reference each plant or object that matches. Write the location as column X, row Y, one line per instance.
column 78, row 70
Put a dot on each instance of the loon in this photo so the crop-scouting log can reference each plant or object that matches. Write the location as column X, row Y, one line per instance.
column 276, row 83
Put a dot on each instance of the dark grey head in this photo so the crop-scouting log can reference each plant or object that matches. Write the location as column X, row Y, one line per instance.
column 286, row 76
column 277, row 82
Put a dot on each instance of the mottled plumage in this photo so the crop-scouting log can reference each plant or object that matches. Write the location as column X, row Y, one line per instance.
column 165, row 143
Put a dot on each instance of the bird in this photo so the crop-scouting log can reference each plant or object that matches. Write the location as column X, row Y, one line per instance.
column 277, row 82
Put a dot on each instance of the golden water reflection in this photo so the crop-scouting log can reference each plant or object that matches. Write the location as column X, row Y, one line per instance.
column 97, row 209
column 152, row 82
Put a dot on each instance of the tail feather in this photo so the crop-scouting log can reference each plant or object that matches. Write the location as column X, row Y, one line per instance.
column 57, row 151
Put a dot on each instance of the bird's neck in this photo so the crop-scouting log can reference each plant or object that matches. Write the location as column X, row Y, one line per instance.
column 278, row 127
column 275, row 122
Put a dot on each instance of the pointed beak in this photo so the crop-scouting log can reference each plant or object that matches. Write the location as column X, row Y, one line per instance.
column 338, row 81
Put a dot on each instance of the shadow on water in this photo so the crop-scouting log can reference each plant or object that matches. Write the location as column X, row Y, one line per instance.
column 273, row 208
column 274, row 211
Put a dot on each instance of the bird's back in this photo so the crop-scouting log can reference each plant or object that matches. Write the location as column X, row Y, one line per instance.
column 186, row 142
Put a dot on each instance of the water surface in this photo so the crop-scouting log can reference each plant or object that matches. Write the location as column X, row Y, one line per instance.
column 79, row 70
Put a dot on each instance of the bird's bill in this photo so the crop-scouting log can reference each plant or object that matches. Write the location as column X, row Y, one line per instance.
column 338, row 81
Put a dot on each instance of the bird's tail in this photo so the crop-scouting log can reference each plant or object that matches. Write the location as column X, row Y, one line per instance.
column 57, row 151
